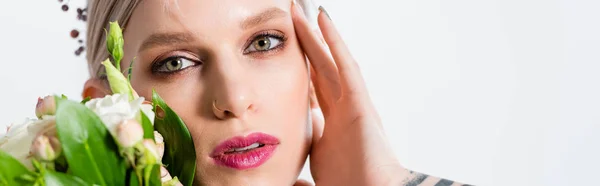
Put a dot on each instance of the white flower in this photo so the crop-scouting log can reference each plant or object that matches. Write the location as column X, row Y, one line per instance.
column 160, row 144
column 19, row 138
column 166, row 178
column 116, row 108
column 164, row 174
column 147, row 110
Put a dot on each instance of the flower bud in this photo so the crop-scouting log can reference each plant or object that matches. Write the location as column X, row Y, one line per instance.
column 164, row 174
column 148, row 154
column 151, row 148
column 114, row 42
column 129, row 133
column 160, row 144
column 46, row 106
column 46, row 148
column 117, row 81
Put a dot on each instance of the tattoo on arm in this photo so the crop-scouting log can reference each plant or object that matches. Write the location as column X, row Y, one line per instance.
column 444, row 182
column 415, row 179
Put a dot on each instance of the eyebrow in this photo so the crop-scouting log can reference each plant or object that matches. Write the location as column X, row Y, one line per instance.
column 263, row 17
column 159, row 39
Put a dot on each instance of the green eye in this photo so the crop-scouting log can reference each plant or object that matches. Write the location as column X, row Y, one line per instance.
column 264, row 43
column 173, row 64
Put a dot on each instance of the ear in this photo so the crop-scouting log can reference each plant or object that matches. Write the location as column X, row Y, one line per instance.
column 95, row 88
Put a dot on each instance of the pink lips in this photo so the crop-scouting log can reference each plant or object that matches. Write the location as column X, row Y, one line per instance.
column 228, row 153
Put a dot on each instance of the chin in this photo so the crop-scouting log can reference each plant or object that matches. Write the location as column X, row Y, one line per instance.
column 277, row 171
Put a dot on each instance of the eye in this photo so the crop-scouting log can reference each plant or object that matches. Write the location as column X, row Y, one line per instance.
column 174, row 64
column 264, row 43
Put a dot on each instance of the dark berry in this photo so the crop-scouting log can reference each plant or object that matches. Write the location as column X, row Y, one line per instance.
column 65, row 8
column 79, row 11
column 84, row 18
column 77, row 52
column 80, row 41
column 74, row 33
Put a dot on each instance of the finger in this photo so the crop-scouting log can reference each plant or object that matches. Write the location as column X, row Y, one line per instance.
column 318, row 94
column 301, row 182
column 350, row 77
column 319, row 57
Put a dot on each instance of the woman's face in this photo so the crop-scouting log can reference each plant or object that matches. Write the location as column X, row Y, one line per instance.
column 234, row 71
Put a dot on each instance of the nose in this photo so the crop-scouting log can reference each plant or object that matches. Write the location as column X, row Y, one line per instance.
column 232, row 106
column 232, row 90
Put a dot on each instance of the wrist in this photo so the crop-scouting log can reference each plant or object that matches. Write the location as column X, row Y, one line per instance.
column 392, row 174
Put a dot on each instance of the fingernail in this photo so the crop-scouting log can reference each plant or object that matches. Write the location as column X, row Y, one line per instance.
column 322, row 9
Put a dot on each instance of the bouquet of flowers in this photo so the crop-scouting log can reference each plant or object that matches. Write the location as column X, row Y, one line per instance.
column 120, row 139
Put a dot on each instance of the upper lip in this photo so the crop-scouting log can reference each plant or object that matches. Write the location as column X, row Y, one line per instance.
column 241, row 141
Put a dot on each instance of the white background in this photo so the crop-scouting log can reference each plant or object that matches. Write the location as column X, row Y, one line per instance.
column 488, row 92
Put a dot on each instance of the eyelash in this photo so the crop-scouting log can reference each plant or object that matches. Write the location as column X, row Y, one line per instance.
column 272, row 34
column 157, row 65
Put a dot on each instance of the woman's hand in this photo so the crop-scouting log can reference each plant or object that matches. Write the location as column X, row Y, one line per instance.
column 353, row 149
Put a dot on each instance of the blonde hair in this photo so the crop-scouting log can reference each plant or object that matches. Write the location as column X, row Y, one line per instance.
column 100, row 13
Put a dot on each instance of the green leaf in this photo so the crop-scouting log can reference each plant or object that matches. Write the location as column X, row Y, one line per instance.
column 37, row 165
column 116, row 79
column 27, row 178
column 90, row 150
column 10, row 169
column 152, row 175
column 86, row 99
column 52, row 178
column 130, row 69
column 180, row 155
column 147, row 126
column 133, row 179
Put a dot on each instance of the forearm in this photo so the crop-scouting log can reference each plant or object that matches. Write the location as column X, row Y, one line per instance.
column 413, row 178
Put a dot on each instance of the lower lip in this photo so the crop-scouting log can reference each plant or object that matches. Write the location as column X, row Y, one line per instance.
column 247, row 159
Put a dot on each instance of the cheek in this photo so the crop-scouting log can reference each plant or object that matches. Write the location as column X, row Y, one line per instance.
column 182, row 95
column 285, row 86
column 284, row 97
column 141, row 84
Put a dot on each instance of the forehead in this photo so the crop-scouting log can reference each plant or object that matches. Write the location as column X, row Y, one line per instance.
column 198, row 15
column 208, row 21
